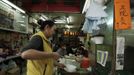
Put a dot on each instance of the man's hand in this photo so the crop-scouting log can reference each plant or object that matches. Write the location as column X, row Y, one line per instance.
column 61, row 65
column 55, row 55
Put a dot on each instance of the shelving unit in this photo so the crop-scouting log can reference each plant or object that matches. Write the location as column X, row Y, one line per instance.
column 5, row 29
column 9, row 58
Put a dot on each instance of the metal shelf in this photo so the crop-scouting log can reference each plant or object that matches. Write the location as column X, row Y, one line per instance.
column 12, row 30
column 9, row 58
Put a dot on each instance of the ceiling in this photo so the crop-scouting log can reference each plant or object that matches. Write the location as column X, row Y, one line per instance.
column 60, row 19
column 68, row 6
column 56, row 10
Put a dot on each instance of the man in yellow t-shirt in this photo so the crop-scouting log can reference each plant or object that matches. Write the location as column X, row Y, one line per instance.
column 38, row 52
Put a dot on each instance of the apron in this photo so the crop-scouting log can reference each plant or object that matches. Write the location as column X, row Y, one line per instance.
column 44, row 66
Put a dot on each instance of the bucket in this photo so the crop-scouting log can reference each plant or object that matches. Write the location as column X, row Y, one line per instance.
column 97, row 39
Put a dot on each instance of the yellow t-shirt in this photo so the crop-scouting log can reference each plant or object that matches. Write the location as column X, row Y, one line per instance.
column 41, row 67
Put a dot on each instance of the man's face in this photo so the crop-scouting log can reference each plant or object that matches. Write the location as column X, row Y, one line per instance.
column 51, row 31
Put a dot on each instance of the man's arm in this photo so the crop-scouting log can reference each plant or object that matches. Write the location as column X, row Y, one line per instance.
column 34, row 50
column 32, row 54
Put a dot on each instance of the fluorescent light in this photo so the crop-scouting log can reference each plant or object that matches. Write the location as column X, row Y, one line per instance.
column 86, row 6
column 42, row 18
column 5, row 4
column 14, row 6
column 35, row 21
column 60, row 21
column 67, row 26
column 23, row 25
column 68, row 20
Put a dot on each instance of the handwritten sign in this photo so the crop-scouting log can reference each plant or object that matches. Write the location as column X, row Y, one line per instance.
column 122, row 14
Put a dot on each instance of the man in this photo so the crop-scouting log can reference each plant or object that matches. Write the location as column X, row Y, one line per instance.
column 38, row 52
column 62, row 50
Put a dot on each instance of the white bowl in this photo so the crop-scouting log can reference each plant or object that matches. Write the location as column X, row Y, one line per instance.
column 97, row 40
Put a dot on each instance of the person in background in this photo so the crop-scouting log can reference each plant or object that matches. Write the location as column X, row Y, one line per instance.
column 80, row 50
column 69, row 49
column 85, row 62
column 38, row 52
column 62, row 50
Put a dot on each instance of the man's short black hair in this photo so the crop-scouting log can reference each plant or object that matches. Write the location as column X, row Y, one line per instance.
column 43, row 24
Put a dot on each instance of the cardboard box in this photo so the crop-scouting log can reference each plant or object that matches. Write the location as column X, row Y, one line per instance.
column 14, row 71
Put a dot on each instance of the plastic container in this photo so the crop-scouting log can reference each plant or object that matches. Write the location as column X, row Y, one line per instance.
column 98, row 39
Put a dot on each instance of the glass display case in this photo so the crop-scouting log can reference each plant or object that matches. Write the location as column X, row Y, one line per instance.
column 12, row 20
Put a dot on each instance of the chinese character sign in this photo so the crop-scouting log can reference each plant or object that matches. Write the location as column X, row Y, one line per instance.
column 122, row 14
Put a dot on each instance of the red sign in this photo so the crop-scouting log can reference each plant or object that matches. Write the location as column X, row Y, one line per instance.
column 122, row 14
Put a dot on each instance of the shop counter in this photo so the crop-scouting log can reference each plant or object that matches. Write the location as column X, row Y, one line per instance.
column 79, row 72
